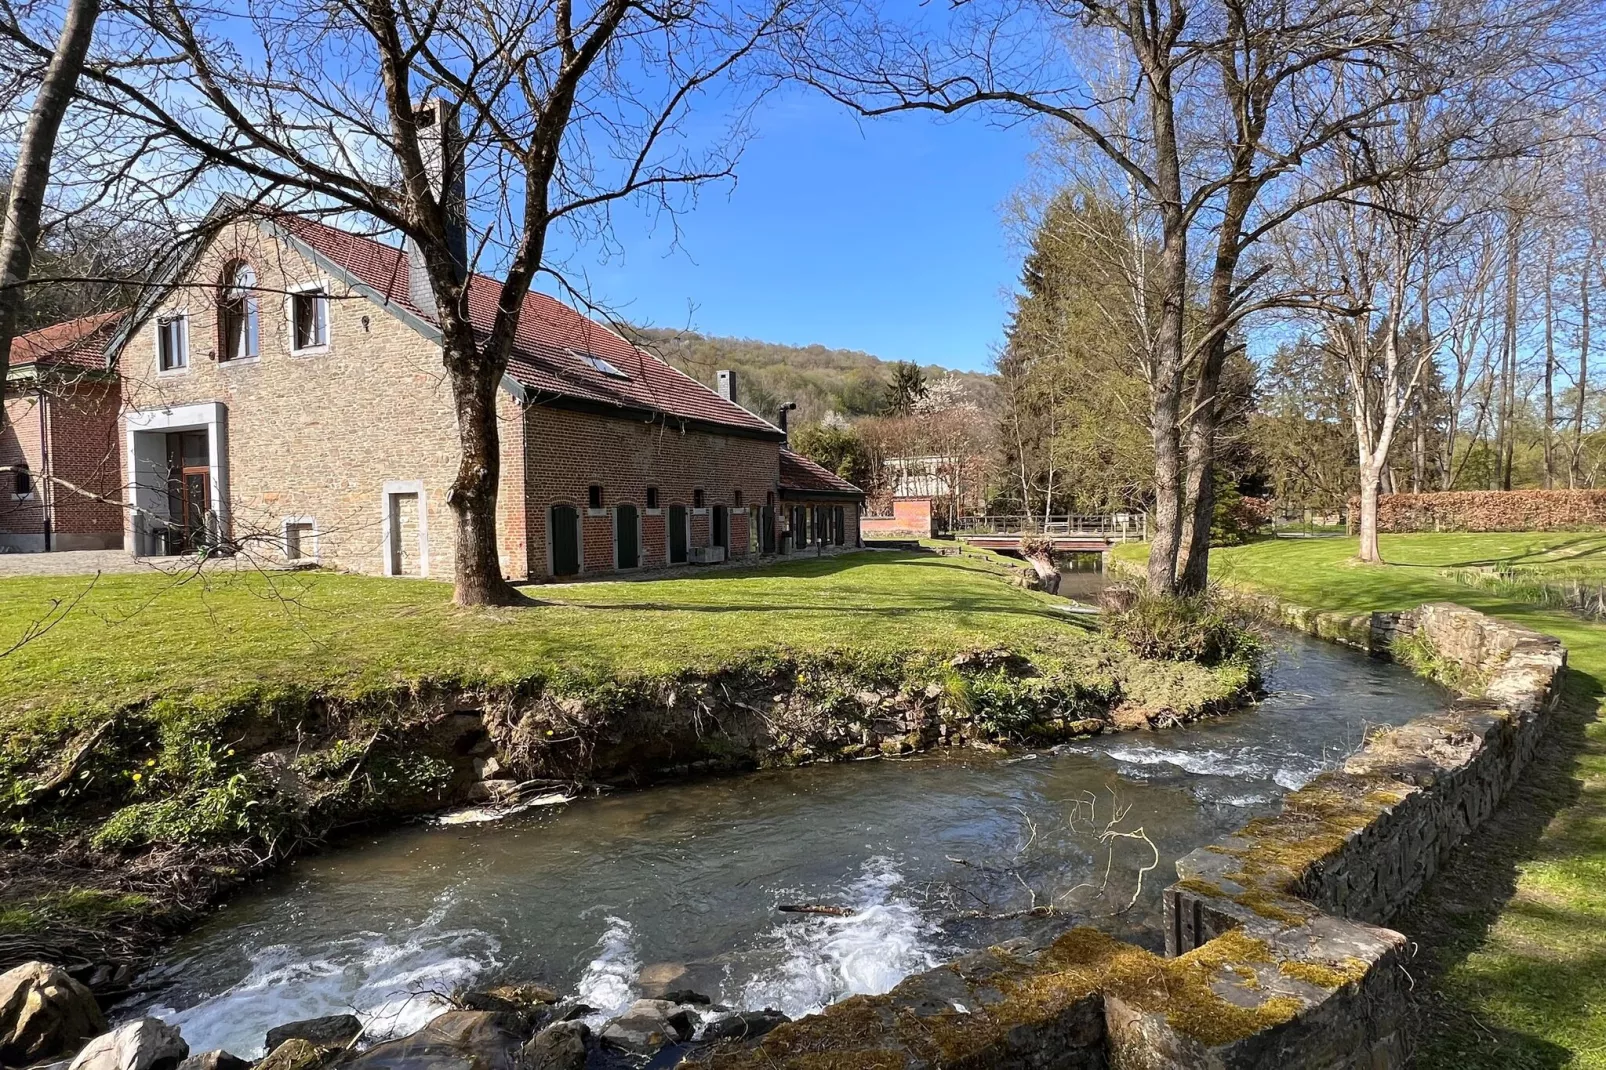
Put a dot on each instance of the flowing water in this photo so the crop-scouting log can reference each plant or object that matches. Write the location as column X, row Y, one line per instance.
column 581, row 895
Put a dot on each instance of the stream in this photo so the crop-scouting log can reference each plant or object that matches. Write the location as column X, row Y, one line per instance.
column 581, row 895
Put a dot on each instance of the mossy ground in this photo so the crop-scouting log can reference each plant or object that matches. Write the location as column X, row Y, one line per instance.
column 1515, row 928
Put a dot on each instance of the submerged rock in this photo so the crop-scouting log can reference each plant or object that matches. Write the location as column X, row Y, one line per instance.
column 648, row 1025
column 331, row 1031
column 456, row 1040
column 667, row 980
column 44, row 1012
column 557, row 1047
column 214, row 1060
column 143, row 1044
column 744, row 1025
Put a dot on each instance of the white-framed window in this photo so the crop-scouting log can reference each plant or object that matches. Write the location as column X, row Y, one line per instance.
column 238, row 334
column 21, row 482
column 173, row 342
column 309, row 318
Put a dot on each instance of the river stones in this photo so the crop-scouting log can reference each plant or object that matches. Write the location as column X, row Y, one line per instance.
column 648, row 1025
column 657, row 980
column 44, row 1012
column 143, row 1044
column 557, row 1047
column 330, row 1031
column 456, row 1040
column 744, row 1025
column 218, row 1059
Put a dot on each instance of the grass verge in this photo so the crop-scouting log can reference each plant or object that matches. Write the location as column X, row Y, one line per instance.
column 1514, row 932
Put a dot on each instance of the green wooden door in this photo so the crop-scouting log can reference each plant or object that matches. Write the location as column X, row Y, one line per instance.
column 565, row 534
column 627, row 536
column 677, row 534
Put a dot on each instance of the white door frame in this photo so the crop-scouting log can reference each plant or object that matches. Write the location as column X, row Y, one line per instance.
column 403, row 486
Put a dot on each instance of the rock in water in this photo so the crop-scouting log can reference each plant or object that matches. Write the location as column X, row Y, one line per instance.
column 557, row 1047
column 648, row 1025
column 744, row 1025
column 214, row 1060
column 333, row 1031
column 44, row 1012
column 456, row 1040
column 143, row 1044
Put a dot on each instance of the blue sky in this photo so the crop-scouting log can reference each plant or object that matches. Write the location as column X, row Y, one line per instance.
column 883, row 235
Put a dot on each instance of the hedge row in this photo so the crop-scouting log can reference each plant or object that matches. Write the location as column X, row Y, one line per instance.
column 1489, row 510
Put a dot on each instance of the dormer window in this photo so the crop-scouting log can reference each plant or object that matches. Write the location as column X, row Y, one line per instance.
column 309, row 319
column 238, row 336
column 596, row 363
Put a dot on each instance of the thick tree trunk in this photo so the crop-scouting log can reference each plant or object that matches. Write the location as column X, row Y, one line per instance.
column 478, row 579
column 19, row 235
column 1370, row 478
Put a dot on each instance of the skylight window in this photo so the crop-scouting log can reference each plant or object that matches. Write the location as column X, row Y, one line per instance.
column 599, row 364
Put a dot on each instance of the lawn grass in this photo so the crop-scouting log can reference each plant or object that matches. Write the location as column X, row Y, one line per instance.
column 1516, row 928
column 132, row 638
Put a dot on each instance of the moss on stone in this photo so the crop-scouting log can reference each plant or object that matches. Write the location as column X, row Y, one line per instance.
column 1349, row 971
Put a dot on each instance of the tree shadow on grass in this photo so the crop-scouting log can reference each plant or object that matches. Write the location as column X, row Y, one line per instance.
column 1453, row 917
column 1584, row 546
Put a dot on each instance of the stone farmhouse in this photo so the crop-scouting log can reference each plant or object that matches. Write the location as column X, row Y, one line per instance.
column 282, row 394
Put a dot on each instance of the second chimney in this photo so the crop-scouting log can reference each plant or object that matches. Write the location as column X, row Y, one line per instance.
column 440, row 142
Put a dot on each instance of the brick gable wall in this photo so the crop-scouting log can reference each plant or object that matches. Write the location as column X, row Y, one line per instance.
column 81, row 445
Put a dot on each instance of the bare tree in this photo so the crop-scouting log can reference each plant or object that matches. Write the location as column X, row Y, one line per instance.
column 25, row 202
column 470, row 130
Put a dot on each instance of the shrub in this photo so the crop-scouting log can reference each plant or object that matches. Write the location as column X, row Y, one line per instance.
column 1238, row 517
column 1489, row 510
column 1206, row 628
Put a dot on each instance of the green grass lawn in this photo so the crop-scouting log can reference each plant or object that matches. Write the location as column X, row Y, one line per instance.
column 1517, row 927
column 133, row 637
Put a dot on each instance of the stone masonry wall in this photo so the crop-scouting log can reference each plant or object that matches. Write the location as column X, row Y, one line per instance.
column 1275, row 955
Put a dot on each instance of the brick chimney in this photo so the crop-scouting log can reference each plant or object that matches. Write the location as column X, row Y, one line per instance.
column 440, row 142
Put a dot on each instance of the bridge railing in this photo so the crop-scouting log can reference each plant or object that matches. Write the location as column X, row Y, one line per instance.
column 1119, row 527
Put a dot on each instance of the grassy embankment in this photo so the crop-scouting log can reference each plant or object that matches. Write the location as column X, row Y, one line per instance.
column 182, row 695
column 1514, row 932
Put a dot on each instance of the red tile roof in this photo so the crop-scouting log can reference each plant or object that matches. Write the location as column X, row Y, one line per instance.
column 80, row 343
column 801, row 474
column 551, row 338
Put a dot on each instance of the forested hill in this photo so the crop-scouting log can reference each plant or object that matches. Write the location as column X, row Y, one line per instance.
column 817, row 378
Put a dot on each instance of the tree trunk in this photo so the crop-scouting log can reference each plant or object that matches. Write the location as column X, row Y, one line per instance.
column 1508, row 372
column 1370, row 477
column 478, row 579
column 1550, row 375
column 1575, row 465
column 19, row 235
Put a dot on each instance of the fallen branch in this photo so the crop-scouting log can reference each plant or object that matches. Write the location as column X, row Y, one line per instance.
column 816, row 908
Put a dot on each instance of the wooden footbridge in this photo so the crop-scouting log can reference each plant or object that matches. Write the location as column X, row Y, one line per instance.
column 1069, row 534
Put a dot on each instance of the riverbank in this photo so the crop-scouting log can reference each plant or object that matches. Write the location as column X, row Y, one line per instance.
column 1515, row 930
column 168, row 738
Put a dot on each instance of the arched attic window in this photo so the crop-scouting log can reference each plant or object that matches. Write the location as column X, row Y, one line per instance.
column 237, row 313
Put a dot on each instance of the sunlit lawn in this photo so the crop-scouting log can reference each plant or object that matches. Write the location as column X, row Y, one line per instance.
column 134, row 636
column 1525, row 987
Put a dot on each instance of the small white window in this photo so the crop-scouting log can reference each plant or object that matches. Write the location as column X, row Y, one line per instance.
column 309, row 319
column 598, row 364
column 173, row 343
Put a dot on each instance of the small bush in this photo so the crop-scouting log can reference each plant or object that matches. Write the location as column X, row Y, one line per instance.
column 238, row 809
column 1205, row 628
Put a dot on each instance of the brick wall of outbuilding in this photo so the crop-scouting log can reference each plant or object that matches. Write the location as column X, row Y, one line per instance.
column 80, row 419
column 566, row 452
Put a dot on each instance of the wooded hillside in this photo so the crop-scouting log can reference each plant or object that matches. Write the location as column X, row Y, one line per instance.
column 819, row 379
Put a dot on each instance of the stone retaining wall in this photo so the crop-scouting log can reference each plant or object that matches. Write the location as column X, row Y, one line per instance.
column 1276, row 956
